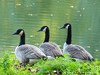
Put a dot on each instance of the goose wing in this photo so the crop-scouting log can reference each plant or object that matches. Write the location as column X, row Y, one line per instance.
column 31, row 52
column 50, row 50
column 79, row 52
column 86, row 54
column 56, row 46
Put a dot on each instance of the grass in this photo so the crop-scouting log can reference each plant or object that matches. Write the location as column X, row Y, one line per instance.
column 9, row 65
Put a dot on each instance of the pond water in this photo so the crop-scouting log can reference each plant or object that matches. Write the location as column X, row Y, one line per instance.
column 84, row 15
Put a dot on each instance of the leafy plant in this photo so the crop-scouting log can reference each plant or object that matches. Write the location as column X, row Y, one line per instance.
column 9, row 65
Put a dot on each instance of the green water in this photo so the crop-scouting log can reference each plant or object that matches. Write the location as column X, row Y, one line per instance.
column 84, row 15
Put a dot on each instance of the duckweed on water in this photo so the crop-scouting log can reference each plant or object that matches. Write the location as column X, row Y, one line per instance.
column 9, row 65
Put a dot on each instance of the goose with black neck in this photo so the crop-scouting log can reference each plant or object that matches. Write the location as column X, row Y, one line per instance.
column 26, row 53
column 49, row 48
column 75, row 51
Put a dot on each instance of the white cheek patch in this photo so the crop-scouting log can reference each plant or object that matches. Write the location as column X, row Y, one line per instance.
column 44, row 29
column 21, row 33
column 67, row 26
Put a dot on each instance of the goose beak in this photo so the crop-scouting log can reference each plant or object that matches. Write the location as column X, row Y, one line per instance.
column 14, row 33
column 62, row 28
column 38, row 30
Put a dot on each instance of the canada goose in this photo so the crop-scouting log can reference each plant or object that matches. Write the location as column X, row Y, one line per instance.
column 26, row 53
column 74, row 51
column 49, row 48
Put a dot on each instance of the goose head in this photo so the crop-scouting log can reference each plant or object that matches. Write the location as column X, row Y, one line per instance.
column 47, row 33
column 69, row 33
column 19, row 32
column 67, row 25
column 43, row 28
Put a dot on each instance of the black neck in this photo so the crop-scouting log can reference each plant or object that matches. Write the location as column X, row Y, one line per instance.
column 22, row 39
column 69, row 35
column 47, row 35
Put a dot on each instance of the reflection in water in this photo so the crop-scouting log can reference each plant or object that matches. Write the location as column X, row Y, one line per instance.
column 32, row 14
